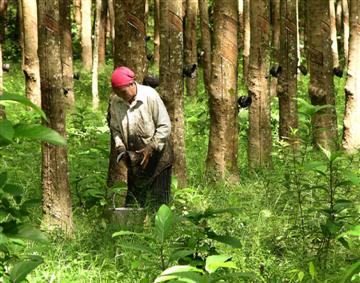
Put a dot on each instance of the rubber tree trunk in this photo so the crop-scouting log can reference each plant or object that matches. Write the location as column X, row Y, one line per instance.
column 321, row 87
column 223, row 90
column 112, row 21
column 287, row 80
column 77, row 16
column 241, row 23
column 102, row 33
column 205, row 42
column 55, row 183
column 259, row 147
column 345, row 9
column 95, row 64
column 86, row 43
column 275, row 22
column 190, row 50
column 129, row 51
column 31, row 61
column 334, row 46
column 351, row 137
column 66, row 52
column 157, row 33
column 246, row 50
column 171, row 80
column 3, row 8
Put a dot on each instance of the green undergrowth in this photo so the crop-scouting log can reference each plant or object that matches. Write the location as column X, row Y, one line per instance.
column 286, row 228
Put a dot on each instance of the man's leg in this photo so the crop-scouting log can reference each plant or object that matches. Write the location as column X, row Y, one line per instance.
column 136, row 196
column 160, row 188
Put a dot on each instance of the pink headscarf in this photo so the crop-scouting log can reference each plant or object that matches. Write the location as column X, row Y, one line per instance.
column 122, row 76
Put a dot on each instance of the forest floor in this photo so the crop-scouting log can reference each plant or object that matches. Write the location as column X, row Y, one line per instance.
column 276, row 227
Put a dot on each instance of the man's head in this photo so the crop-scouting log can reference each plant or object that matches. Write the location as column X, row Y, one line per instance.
column 123, row 83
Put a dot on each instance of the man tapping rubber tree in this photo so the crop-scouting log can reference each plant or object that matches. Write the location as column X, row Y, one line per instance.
column 141, row 128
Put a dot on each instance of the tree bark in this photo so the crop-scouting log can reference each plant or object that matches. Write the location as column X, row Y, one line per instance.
column 3, row 7
column 205, row 42
column 321, row 87
column 351, row 136
column 190, row 51
column 223, row 91
column 287, row 80
column 157, row 33
column 86, row 44
column 31, row 61
column 275, row 21
column 102, row 33
column 241, row 24
column 112, row 22
column 66, row 52
column 95, row 64
column 345, row 9
column 334, row 46
column 55, row 182
column 77, row 16
column 259, row 147
column 171, row 80
column 129, row 51
column 246, row 51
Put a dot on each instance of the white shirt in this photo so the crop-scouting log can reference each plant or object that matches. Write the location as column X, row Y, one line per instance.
column 144, row 121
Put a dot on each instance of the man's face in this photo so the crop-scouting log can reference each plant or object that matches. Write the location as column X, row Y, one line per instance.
column 127, row 93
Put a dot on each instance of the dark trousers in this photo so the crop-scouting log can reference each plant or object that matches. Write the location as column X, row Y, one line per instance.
column 152, row 195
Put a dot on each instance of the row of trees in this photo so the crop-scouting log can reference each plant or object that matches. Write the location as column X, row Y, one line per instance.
column 259, row 30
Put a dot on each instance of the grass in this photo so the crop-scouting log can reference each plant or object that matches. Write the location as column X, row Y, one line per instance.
column 267, row 223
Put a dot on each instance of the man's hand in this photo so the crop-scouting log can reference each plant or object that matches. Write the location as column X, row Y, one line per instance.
column 146, row 152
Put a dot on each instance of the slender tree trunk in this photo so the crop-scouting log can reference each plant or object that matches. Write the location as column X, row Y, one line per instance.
column 287, row 81
column 190, row 51
column 112, row 22
column 129, row 51
column 146, row 14
column 241, row 24
column 334, row 46
column 55, row 182
column 205, row 42
column 77, row 16
column 223, row 89
column 157, row 33
column 246, row 51
column 345, row 9
column 321, row 87
column 171, row 80
column 95, row 64
column 31, row 60
column 351, row 137
column 275, row 19
column 102, row 33
column 259, row 148
column 338, row 15
column 3, row 7
column 86, row 44
column 66, row 52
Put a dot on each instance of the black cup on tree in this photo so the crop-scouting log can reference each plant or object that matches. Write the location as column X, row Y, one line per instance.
column 244, row 101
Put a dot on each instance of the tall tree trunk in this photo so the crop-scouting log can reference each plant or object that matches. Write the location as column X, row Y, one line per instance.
column 112, row 22
column 287, row 80
column 259, row 148
column 223, row 90
column 77, row 16
column 102, row 33
column 334, row 46
column 205, row 42
column 351, row 137
column 321, row 87
column 338, row 15
column 157, row 33
column 345, row 9
column 95, row 64
column 3, row 7
column 190, row 51
column 129, row 51
column 86, row 44
column 171, row 80
column 66, row 52
column 31, row 60
column 241, row 23
column 275, row 21
column 246, row 51
column 55, row 182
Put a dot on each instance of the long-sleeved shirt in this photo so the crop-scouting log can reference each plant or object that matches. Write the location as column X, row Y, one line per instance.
column 142, row 122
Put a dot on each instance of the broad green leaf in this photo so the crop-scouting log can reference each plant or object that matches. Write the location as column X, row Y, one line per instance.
column 127, row 233
column 3, row 239
column 13, row 189
column 164, row 220
column 23, row 100
column 138, row 247
column 184, row 273
column 229, row 240
column 312, row 270
column 39, row 132
column 301, row 276
column 350, row 272
column 327, row 153
column 352, row 177
column 354, row 231
column 20, row 270
column 28, row 232
column 342, row 204
column 6, row 130
column 215, row 262
column 180, row 254
column 3, row 178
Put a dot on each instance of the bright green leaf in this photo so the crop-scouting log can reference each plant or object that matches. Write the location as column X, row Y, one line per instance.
column 28, row 232
column 39, row 132
column 312, row 270
column 164, row 220
column 180, row 254
column 127, row 233
column 217, row 261
column 229, row 240
column 6, row 130
column 301, row 276
column 20, row 270
column 3, row 178
column 350, row 272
